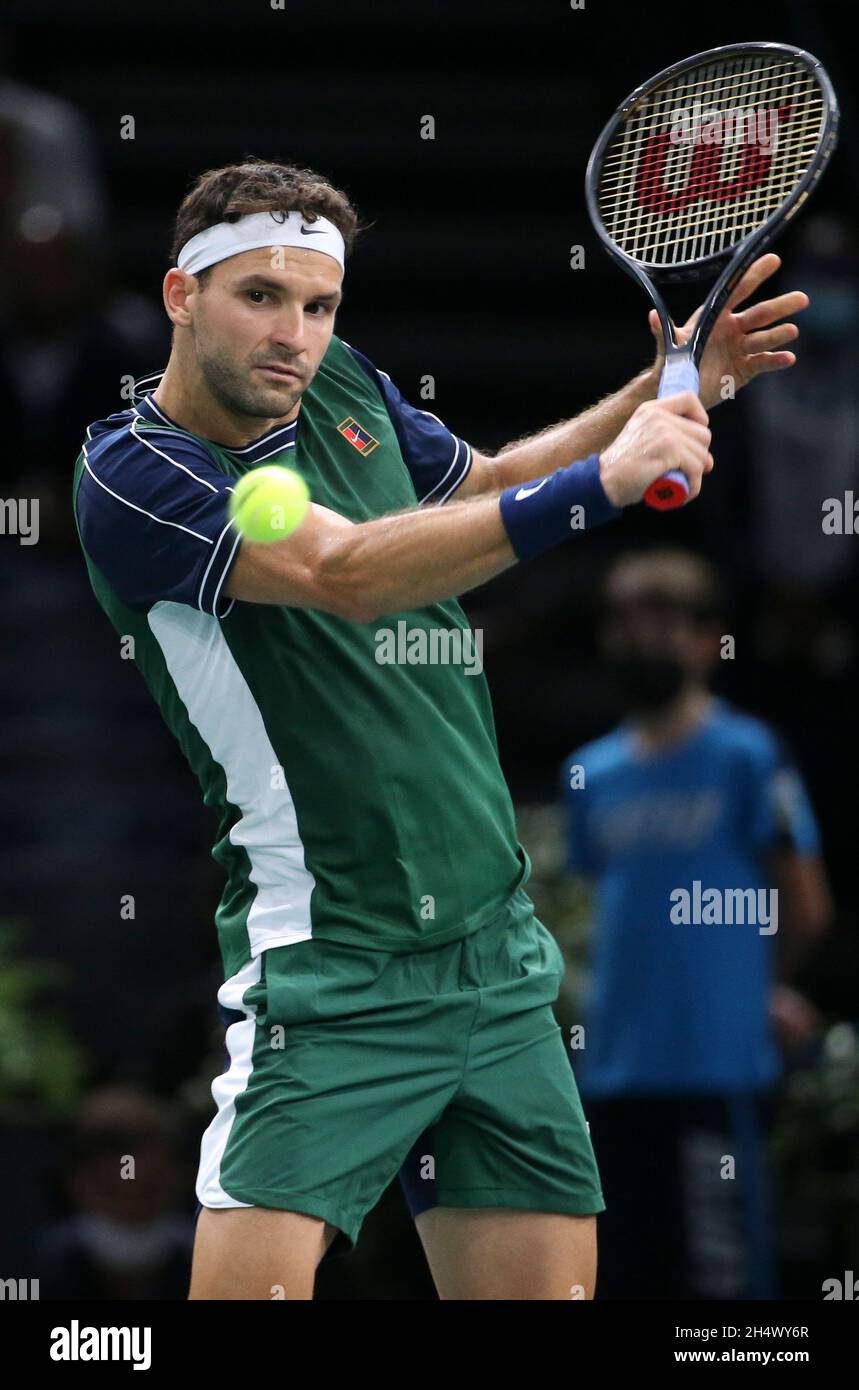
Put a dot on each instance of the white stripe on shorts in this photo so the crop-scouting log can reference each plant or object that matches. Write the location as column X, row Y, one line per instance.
column 231, row 1083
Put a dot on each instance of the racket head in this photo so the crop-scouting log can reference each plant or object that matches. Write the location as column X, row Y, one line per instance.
column 671, row 202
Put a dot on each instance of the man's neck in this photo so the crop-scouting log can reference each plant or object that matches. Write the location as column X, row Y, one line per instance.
column 193, row 408
column 668, row 727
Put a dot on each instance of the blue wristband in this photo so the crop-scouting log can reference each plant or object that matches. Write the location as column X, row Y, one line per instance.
column 539, row 514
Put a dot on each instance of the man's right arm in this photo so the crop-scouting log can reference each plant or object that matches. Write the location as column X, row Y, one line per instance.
column 413, row 558
column 360, row 571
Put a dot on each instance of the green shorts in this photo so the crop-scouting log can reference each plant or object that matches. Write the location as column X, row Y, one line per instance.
column 446, row 1066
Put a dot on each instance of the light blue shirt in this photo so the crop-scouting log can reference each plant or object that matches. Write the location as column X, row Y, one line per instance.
column 673, row 1005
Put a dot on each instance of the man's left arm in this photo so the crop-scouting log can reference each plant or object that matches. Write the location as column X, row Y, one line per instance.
column 805, row 907
column 783, row 819
column 744, row 344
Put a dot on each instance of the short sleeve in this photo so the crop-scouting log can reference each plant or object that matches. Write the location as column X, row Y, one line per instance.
column 782, row 816
column 152, row 511
column 579, row 855
column 437, row 460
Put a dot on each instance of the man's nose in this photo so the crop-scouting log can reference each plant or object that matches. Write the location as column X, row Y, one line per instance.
column 289, row 331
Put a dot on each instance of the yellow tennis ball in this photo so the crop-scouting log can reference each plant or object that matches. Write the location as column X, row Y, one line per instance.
column 269, row 503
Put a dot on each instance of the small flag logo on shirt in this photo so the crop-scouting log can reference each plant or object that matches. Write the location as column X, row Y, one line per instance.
column 361, row 438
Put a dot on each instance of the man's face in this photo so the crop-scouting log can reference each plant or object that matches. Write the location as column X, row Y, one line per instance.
column 656, row 646
column 652, row 627
column 260, row 326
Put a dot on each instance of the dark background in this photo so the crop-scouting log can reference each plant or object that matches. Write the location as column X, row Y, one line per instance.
column 463, row 274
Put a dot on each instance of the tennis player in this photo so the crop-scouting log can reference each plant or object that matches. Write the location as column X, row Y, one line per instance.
column 388, row 990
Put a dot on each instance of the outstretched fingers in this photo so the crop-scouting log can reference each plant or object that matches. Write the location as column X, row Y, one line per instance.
column 771, row 338
column 770, row 310
column 760, row 270
column 770, row 362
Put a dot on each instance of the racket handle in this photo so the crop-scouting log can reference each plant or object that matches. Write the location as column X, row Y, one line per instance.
column 672, row 489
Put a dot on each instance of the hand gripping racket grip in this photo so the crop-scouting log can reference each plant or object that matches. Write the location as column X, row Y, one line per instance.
column 672, row 489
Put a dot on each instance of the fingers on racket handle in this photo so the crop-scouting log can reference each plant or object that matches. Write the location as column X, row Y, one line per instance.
column 672, row 489
column 668, row 492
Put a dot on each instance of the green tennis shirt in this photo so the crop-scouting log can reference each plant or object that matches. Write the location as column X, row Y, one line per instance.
column 353, row 767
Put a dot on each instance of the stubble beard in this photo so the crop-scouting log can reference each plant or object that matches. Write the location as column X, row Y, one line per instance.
column 233, row 389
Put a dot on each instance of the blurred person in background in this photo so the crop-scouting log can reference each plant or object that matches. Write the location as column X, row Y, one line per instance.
column 69, row 333
column 679, row 1056
column 125, row 1238
column 70, row 336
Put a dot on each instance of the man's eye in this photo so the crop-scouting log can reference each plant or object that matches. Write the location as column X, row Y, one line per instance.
column 262, row 295
column 320, row 309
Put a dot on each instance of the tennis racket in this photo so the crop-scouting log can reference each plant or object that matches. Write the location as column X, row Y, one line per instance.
column 696, row 174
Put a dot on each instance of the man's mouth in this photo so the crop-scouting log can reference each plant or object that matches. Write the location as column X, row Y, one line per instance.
column 278, row 372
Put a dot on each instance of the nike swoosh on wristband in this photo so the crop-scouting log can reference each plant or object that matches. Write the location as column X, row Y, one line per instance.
column 529, row 491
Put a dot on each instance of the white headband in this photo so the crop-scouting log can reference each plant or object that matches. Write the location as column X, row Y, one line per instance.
column 257, row 230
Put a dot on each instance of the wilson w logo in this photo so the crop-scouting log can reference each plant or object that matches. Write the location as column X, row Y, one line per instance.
column 703, row 179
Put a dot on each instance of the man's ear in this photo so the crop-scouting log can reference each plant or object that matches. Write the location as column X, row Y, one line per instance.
column 176, row 291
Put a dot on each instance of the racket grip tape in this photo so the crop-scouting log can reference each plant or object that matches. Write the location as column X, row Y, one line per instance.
column 672, row 489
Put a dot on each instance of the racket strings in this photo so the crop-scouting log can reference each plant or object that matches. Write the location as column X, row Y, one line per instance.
column 791, row 133
column 698, row 179
column 769, row 81
column 703, row 160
